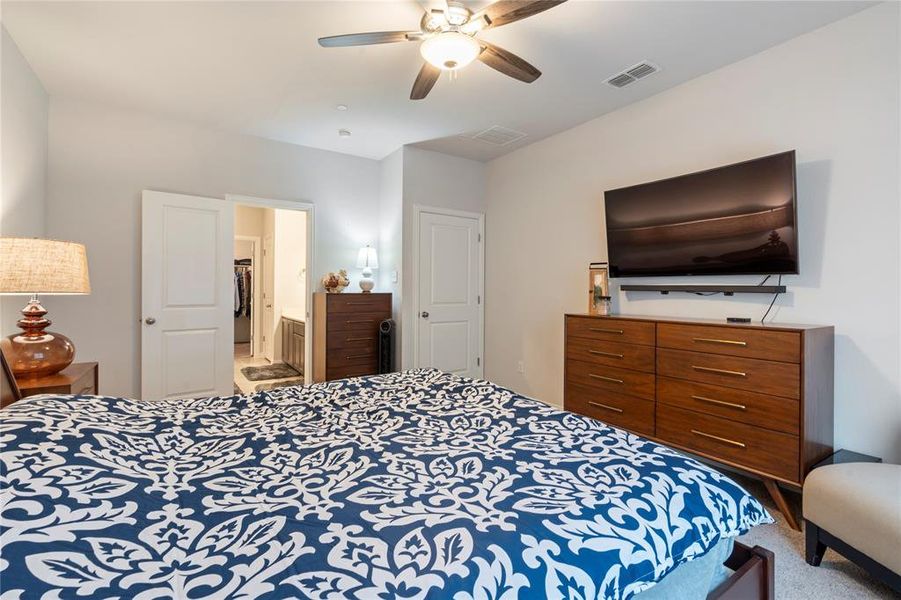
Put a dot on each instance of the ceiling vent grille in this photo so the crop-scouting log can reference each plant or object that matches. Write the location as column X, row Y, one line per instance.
column 632, row 74
column 621, row 80
column 499, row 136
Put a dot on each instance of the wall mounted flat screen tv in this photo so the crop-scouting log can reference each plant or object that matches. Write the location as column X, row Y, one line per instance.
column 739, row 219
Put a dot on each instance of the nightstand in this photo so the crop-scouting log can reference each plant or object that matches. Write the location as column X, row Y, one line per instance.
column 76, row 379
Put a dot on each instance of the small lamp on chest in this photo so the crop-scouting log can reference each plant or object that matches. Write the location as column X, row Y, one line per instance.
column 32, row 266
column 367, row 259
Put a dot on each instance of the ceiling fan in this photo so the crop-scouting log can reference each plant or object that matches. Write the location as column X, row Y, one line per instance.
column 449, row 40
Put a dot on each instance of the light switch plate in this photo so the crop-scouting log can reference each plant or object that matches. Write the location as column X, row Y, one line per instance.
column 393, row 276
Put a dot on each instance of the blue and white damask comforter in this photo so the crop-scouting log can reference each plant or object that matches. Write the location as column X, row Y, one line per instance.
column 411, row 485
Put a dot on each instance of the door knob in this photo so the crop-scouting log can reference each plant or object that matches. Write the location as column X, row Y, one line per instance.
column 425, row 315
column 150, row 320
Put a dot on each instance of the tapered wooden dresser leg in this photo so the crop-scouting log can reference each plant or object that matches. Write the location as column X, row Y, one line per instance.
column 776, row 494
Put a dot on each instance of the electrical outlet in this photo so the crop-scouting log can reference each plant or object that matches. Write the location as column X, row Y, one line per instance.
column 520, row 367
column 393, row 276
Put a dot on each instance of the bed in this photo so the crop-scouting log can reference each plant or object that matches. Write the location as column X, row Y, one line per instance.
column 418, row 484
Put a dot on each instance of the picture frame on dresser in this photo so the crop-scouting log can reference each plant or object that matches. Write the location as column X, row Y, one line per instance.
column 749, row 396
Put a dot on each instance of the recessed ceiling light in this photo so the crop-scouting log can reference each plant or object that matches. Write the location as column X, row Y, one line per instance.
column 341, row 107
column 344, row 132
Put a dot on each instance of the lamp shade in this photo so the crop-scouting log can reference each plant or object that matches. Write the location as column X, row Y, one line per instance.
column 39, row 266
column 367, row 258
column 450, row 51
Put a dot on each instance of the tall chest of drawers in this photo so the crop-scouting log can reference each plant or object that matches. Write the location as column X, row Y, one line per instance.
column 755, row 397
column 346, row 334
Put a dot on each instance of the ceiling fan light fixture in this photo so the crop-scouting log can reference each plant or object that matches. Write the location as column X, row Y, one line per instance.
column 457, row 14
column 450, row 51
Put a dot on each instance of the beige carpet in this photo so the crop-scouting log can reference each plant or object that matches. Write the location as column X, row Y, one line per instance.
column 835, row 579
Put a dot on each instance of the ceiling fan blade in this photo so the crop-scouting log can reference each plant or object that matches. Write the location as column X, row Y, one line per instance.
column 507, row 63
column 508, row 11
column 426, row 79
column 365, row 39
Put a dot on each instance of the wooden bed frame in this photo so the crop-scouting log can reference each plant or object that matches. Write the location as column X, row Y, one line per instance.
column 752, row 578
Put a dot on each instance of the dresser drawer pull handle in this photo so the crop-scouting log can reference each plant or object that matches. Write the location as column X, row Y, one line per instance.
column 358, row 303
column 366, row 339
column 603, row 378
column 602, row 330
column 611, row 354
column 719, row 371
column 716, row 341
column 599, row 405
column 718, row 438
column 363, row 321
column 721, row 402
column 352, row 356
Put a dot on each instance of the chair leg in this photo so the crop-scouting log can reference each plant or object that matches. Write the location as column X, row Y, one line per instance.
column 813, row 547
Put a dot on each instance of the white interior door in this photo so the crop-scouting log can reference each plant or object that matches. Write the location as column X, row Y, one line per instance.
column 449, row 331
column 187, row 296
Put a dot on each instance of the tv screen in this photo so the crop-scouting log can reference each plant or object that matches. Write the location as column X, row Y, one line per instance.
column 733, row 220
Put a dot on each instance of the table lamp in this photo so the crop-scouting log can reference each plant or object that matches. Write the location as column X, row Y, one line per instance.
column 32, row 266
column 367, row 260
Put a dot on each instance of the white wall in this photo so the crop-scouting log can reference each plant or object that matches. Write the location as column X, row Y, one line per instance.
column 290, row 258
column 409, row 177
column 440, row 181
column 390, row 247
column 248, row 220
column 101, row 158
column 23, row 158
column 833, row 95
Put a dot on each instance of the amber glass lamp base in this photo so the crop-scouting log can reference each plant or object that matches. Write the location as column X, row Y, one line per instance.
column 35, row 352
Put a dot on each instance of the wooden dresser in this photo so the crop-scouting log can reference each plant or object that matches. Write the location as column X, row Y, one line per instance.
column 754, row 397
column 346, row 334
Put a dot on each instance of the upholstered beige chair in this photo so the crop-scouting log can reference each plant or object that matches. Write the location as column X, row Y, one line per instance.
column 855, row 509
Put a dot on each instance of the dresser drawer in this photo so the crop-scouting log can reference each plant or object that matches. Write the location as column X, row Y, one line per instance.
column 771, row 452
column 359, row 322
column 356, row 303
column 762, row 376
column 343, row 357
column 333, row 373
column 611, row 379
column 611, row 330
column 352, row 339
column 782, row 346
column 614, row 409
column 614, row 354
column 769, row 412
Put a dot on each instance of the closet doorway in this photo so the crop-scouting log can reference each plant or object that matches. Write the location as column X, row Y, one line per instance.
column 247, row 294
column 272, row 259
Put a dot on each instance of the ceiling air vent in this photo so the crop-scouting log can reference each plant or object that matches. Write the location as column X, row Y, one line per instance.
column 499, row 136
column 642, row 70
column 621, row 80
column 632, row 74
